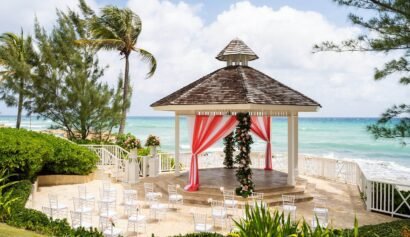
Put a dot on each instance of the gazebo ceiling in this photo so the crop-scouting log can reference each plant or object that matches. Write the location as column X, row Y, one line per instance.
column 236, row 88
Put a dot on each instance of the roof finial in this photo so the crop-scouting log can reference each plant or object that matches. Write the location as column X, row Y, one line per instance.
column 237, row 53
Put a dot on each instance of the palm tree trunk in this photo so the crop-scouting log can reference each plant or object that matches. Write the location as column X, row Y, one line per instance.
column 20, row 105
column 125, row 96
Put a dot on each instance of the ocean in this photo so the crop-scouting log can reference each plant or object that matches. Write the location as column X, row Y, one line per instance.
column 342, row 138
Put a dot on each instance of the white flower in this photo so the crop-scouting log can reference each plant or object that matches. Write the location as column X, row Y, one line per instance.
column 209, row 200
column 222, row 189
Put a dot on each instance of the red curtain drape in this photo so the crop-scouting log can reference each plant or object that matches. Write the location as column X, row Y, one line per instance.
column 262, row 130
column 207, row 130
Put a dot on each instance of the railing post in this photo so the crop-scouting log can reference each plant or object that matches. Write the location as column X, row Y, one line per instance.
column 369, row 193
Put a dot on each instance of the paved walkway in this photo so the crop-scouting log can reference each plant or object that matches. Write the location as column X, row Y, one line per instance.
column 343, row 201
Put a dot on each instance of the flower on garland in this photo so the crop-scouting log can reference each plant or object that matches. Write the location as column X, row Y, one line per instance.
column 244, row 140
column 229, row 149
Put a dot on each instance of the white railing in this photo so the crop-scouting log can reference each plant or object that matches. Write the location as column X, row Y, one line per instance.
column 215, row 160
column 379, row 196
column 114, row 160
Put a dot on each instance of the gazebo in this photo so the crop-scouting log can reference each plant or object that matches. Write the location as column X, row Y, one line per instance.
column 212, row 100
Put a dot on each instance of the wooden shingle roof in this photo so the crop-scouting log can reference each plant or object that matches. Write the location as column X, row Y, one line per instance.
column 236, row 85
column 236, row 48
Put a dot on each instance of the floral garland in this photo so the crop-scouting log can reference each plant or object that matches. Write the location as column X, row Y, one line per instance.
column 152, row 141
column 229, row 149
column 244, row 140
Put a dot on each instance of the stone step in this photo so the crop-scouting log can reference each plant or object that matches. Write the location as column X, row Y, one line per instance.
column 270, row 201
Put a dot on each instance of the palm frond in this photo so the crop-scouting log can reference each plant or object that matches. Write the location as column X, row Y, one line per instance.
column 108, row 44
column 150, row 59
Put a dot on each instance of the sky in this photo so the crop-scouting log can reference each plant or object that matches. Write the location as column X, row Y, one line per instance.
column 185, row 36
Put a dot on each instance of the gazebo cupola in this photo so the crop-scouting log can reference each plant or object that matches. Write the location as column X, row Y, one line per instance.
column 236, row 88
column 237, row 53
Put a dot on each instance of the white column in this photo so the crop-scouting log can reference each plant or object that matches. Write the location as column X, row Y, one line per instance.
column 177, row 138
column 295, row 119
column 291, row 166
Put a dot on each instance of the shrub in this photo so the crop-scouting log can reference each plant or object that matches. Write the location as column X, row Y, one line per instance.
column 37, row 221
column 6, row 195
column 69, row 158
column 21, row 153
column 29, row 153
column 390, row 229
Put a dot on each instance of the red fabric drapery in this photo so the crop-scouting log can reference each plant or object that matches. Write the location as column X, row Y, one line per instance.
column 262, row 130
column 207, row 130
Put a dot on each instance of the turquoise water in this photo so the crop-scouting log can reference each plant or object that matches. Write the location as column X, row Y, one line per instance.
column 330, row 137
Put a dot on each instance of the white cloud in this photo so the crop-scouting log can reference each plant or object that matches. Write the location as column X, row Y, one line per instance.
column 185, row 47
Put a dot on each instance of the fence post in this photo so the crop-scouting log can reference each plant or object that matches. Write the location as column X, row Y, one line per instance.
column 368, row 195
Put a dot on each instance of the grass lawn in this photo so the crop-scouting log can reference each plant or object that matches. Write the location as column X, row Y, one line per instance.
column 8, row 231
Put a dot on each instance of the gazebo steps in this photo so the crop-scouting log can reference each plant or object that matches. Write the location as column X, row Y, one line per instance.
column 277, row 201
column 272, row 196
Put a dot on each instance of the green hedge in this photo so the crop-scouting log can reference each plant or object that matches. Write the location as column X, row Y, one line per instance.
column 22, row 154
column 389, row 229
column 200, row 235
column 30, row 153
column 37, row 221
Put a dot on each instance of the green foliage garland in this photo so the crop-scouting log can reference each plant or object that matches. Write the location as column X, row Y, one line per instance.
column 229, row 149
column 244, row 140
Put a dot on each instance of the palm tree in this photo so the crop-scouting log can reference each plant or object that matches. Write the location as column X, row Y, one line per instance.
column 117, row 29
column 16, row 60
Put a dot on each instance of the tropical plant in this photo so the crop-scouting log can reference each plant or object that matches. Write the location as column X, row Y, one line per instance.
column 17, row 57
column 259, row 221
column 67, row 87
column 117, row 29
column 6, row 196
column 386, row 31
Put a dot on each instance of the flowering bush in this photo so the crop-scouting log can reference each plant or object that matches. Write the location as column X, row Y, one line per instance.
column 128, row 142
column 152, row 141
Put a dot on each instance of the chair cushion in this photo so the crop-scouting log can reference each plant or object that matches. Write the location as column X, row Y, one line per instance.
column 110, row 213
column 219, row 213
column 153, row 195
column 203, row 227
column 135, row 218
column 289, row 208
column 320, row 210
column 175, row 197
column 112, row 232
column 59, row 206
column 230, row 202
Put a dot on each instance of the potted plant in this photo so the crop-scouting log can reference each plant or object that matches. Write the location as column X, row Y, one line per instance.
column 129, row 142
column 153, row 142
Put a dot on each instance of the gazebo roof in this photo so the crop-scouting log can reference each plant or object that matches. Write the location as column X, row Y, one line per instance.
column 236, row 85
column 236, row 48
